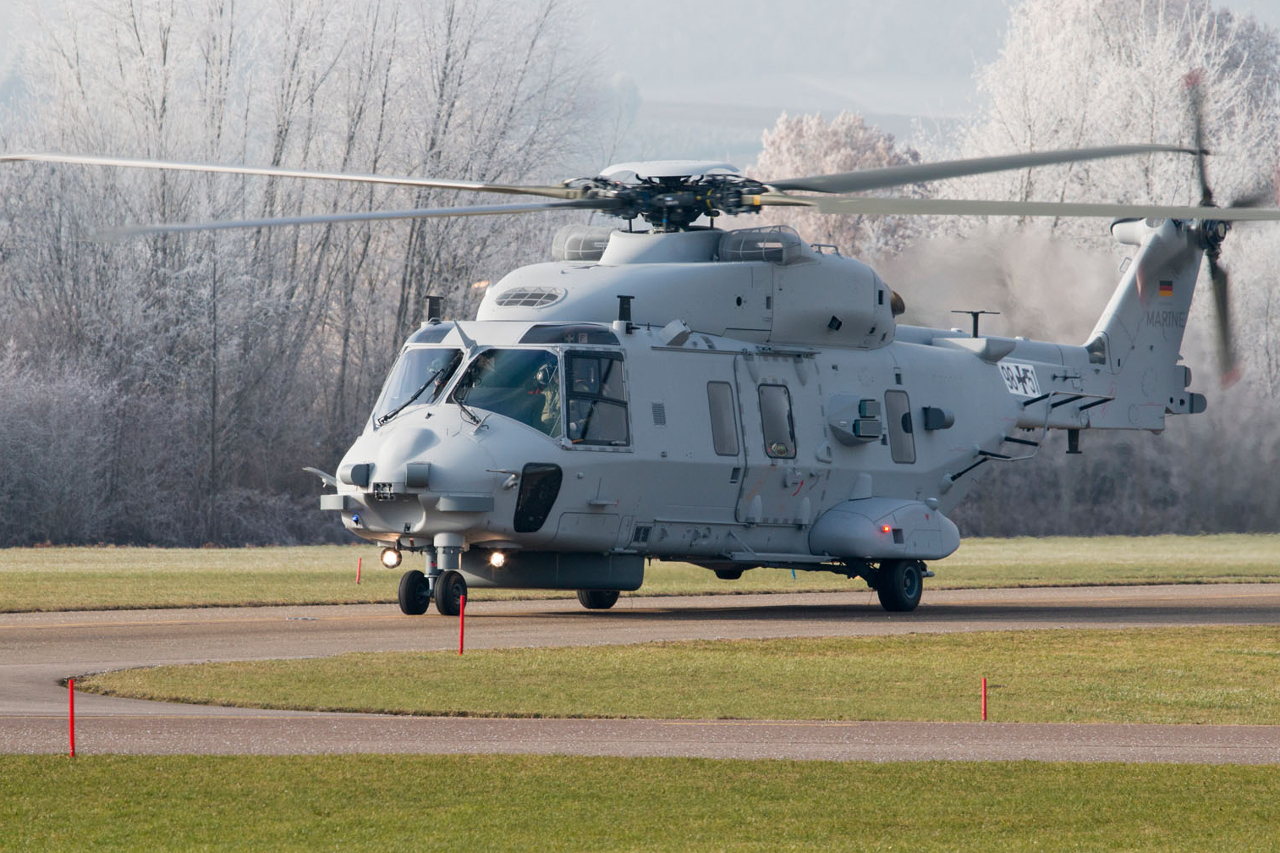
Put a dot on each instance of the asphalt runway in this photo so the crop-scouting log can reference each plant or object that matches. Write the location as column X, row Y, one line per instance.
column 39, row 650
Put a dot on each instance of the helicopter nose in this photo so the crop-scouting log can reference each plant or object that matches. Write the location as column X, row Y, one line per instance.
column 457, row 465
column 413, row 459
column 419, row 482
column 403, row 456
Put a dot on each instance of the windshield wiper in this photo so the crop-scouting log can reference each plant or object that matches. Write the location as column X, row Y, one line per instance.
column 416, row 394
column 466, row 410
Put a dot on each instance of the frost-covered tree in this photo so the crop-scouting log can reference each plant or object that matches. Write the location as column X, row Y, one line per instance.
column 238, row 357
column 1097, row 72
column 1076, row 73
column 811, row 145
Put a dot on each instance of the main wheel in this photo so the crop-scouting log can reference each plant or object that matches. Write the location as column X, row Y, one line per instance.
column 450, row 587
column 415, row 595
column 900, row 584
column 597, row 599
column 728, row 574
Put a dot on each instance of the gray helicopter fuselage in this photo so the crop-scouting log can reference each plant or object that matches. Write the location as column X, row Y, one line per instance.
column 760, row 407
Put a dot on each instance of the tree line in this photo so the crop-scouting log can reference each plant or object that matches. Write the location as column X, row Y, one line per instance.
column 170, row 389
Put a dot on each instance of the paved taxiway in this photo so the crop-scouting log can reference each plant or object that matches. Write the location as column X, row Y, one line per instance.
column 39, row 650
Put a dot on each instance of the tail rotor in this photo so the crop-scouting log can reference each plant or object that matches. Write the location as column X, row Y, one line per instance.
column 1212, row 233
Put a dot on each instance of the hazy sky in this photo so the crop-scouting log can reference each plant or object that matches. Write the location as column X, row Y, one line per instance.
column 913, row 57
column 713, row 74
column 805, row 55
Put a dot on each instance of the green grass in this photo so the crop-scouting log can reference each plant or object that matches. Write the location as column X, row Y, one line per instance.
column 107, row 577
column 1196, row 675
column 527, row 803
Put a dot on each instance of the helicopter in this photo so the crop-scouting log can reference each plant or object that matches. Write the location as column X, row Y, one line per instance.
column 737, row 398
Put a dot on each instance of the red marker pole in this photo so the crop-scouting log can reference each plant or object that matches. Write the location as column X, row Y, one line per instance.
column 71, row 714
column 462, row 622
column 359, row 561
column 984, row 700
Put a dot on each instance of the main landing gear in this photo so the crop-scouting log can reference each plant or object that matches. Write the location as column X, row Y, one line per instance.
column 597, row 599
column 899, row 583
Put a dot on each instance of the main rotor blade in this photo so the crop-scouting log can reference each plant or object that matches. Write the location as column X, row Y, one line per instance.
column 273, row 172
column 974, row 207
column 895, row 176
column 374, row 216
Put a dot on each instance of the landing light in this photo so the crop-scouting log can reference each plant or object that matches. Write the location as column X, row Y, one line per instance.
column 390, row 557
column 497, row 559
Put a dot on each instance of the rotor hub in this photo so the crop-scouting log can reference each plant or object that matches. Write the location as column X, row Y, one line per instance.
column 674, row 202
column 1212, row 233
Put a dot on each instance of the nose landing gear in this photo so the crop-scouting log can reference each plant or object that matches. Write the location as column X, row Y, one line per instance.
column 417, row 593
column 442, row 582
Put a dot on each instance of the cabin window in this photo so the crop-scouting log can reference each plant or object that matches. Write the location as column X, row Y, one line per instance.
column 775, row 417
column 902, row 440
column 597, row 393
column 724, row 420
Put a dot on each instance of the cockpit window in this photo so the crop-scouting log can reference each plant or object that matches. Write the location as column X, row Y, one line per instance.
column 521, row 384
column 419, row 376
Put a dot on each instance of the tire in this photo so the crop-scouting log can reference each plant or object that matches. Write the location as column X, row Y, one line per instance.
column 900, row 585
column 415, row 595
column 597, row 599
column 450, row 587
column 728, row 574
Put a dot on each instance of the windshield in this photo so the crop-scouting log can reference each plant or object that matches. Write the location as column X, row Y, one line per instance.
column 419, row 376
column 521, row 384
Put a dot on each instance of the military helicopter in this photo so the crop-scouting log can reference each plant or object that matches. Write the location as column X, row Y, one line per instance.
column 733, row 398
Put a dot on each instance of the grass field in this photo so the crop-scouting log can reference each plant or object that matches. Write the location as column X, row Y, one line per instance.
column 568, row 804
column 1195, row 675
column 107, row 577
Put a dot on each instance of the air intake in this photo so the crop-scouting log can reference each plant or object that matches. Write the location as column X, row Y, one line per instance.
column 580, row 243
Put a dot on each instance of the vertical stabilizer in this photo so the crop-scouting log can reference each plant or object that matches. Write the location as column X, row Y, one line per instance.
column 1140, row 333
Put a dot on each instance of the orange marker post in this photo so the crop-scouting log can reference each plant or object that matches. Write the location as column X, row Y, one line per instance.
column 359, row 561
column 984, row 700
column 462, row 622
column 71, row 715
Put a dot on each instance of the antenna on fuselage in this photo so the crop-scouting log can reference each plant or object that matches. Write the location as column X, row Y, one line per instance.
column 974, row 315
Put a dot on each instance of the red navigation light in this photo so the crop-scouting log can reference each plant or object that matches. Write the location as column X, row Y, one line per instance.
column 885, row 529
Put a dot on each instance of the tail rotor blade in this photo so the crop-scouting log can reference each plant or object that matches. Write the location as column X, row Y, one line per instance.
column 1197, row 123
column 1257, row 198
column 1231, row 371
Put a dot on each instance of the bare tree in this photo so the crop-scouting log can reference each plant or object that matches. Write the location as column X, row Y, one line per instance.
column 811, row 145
column 1095, row 72
column 236, row 359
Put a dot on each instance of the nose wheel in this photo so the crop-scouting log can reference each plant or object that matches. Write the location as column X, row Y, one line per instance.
column 415, row 593
column 450, row 587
